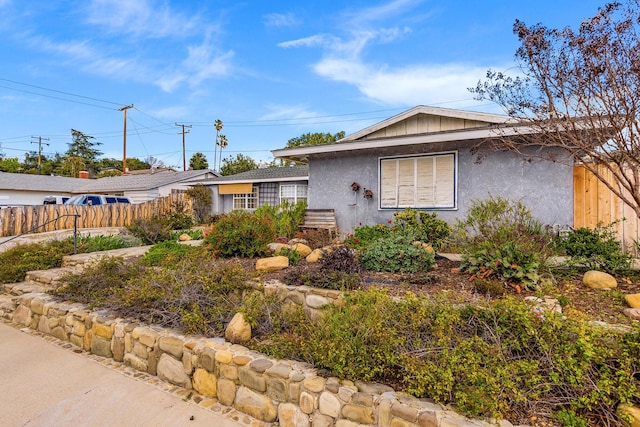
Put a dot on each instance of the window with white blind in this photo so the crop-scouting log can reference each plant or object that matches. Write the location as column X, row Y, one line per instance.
column 293, row 192
column 246, row 201
column 427, row 182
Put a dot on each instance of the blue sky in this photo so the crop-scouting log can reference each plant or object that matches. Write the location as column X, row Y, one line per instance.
column 270, row 70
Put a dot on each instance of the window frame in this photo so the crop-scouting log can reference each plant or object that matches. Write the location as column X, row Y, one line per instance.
column 296, row 197
column 246, row 197
column 452, row 207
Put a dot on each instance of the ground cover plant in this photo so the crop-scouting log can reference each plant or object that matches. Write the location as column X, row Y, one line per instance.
column 16, row 261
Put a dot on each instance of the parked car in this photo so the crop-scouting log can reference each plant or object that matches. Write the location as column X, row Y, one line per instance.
column 96, row 200
column 55, row 200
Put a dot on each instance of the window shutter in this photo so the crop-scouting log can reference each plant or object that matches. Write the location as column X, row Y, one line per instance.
column 388, row 184
column 444, row 194
column 406, row 183
column 425, row 175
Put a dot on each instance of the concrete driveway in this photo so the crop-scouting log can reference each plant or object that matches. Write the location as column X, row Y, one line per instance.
column 47, row 385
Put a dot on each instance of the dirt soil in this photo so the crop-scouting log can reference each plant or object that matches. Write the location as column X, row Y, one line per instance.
column 602, row 305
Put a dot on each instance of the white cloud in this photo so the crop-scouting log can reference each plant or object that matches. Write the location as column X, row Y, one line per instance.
column 411, row 85
column 147, row 18
column 280, row 20
column 288, row 112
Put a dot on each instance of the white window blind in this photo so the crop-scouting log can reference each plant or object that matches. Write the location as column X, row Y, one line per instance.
column 418, row 182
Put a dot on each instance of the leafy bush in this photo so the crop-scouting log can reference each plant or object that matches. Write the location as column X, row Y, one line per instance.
column 151, row 230
column 425, row 226
column 595, row 249
column 396, row 253
column 502, row 238
column 364, row 235
column 15, row 262
column 291, row 254
column 242, row 234
column 342, row 259
column 179, row 221
column 202, row 197
column 167, row 253
column 286, row 217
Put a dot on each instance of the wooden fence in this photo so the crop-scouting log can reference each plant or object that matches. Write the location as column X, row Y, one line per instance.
column 40, row 218
column 594, row 203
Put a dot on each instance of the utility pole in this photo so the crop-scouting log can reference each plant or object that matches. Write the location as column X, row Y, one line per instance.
column 184, row 158
column 124, row 148
column 39, row 142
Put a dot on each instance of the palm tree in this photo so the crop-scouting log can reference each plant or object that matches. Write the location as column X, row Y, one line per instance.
column 217, row 123
column 223, row 143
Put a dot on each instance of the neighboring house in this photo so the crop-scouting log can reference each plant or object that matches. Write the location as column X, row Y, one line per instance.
column 26, row 189
column 251, row 189
column 421, row 159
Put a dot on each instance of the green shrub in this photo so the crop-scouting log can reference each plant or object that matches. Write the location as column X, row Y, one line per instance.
column 241, row 234
column 286, row 217
column 151, row 230
column 293, row 255
column 503, row 239
column 396, row 253
column 425, row 226
column 167, row 253
column 179, row 221
column 202, row 197
column 595, row 249
column 15, row 262
column 364, row 235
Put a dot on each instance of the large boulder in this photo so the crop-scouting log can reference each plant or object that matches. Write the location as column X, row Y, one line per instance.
column 273, row 263
column 599, row 280
column 633, row 300
column 301, row 248
column 314, row 256
column 238, row 330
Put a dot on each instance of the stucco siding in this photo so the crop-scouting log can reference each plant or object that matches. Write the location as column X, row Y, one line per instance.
column 545, row 187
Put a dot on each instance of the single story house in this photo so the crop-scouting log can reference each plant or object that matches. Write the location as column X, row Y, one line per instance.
column 254, row 188
column 25, row 189
column 422, row 159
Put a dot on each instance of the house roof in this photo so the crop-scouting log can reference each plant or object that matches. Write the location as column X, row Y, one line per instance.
column 272, row 174
column 28, row 182
column 476, row 126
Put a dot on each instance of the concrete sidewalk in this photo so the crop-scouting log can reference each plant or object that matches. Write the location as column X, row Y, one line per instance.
column 47, row 385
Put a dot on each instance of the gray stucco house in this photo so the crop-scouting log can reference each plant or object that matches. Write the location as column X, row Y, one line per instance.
column 422, row 159
column 254, row 188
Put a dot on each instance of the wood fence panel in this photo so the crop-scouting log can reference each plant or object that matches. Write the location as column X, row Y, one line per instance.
column 594, row 204
column 23, row 219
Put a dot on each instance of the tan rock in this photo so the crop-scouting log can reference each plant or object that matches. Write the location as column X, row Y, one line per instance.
column 255, row 404
column 238, row 331
column 275, row 247
column 184, row 237
column 633, row 300
column 630, row 413
column 205, row 383
column 599, row 280
column 273, row 263
column 633, row 313
column 314, row 256
column 302, row 249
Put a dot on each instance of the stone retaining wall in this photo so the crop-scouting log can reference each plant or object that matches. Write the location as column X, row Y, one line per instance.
column 277, row 392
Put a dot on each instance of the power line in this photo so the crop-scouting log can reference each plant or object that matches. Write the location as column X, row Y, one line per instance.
column 59, row 91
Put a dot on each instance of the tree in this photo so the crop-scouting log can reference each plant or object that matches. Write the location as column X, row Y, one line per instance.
column 83, row 147
column 579, row 94
column 198, row 162
column 241, row 163
column 309, row 138
column 11, row 164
